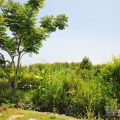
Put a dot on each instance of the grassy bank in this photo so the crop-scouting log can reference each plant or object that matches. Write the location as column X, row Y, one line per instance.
column 18, row 114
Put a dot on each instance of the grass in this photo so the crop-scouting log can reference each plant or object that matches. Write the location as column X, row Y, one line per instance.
column 26, row 115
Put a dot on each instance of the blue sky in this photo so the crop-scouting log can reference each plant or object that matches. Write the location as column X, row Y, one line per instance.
column 93, row 31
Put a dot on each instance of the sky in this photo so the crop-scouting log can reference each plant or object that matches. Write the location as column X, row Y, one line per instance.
column 93, row 31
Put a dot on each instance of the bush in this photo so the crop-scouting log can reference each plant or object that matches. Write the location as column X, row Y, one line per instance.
column 111, row 74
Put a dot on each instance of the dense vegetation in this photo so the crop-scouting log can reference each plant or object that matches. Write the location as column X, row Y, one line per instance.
column 75, row 89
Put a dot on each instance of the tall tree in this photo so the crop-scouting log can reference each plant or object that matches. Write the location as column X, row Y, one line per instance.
column 86, row 63
column 27, row 36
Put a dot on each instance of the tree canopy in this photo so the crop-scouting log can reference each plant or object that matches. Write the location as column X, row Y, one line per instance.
column 21, row 19
column 26, row 35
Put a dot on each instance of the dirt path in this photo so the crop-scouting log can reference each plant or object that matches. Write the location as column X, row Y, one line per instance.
column 33, row 119
column 13, row 117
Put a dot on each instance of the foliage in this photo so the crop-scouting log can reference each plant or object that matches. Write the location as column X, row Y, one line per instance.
column 86, row 63
column 111, row 74
column 61, row 87
column 112, row 70
column 26, row 37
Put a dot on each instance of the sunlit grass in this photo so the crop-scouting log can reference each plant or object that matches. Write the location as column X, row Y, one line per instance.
column 26, row 115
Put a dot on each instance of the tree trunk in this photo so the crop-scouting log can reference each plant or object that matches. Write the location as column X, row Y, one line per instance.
column 14, row 84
